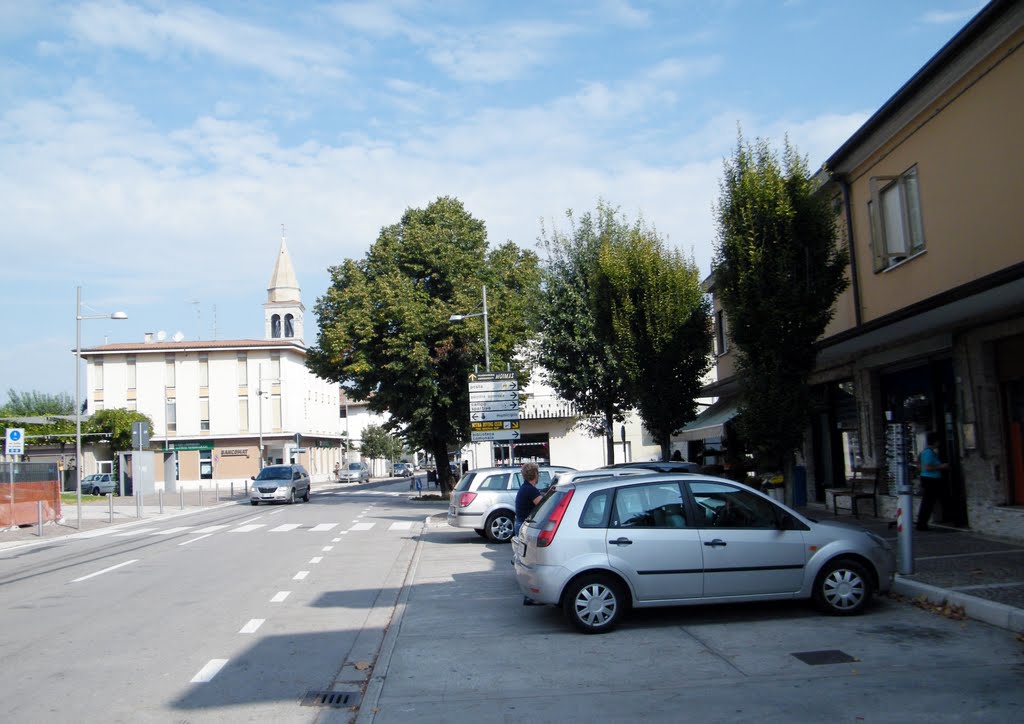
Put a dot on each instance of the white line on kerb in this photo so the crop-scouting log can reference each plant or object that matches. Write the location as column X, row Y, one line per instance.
column 253, row 625
column 106, row 570
column 280, row 596
column 300, row 575
column 212, row 668
column 185, row 543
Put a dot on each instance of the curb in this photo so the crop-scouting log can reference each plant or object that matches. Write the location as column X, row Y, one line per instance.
column 979, row 609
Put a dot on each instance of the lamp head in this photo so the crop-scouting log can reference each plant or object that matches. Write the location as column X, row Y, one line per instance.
column 456, row 318
column 119, row 315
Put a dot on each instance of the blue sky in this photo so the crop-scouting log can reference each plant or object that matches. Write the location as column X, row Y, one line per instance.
column 151, row 151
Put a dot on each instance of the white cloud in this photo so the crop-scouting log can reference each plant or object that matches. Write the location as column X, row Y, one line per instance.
column 158, row 34
column 622, row 12
column 951, row 17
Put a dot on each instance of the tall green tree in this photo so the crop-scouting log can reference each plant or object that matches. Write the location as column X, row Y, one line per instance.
column 653, row 302
column 115, row 424
column 578, row 353
column 385, row 329
column 379, row 443
column 37, row 403
column 777, row 271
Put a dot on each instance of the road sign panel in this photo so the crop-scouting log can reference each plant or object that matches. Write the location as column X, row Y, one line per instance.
column 494, row 415
column 496, row 435
column 15, row 441
column 484, row 376
column 495, row 425
column 493, row 395
column 490, row 405
column 490, row 385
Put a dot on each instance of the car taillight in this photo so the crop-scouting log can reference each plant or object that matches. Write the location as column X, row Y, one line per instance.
column 550, row 527
column 466, row 498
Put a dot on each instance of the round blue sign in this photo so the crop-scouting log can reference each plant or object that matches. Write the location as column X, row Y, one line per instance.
column 15, row 435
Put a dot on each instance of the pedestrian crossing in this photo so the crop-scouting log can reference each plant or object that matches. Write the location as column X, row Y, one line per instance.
column 356, row 526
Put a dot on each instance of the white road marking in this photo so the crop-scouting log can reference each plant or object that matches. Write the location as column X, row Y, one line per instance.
column 278, row 512
column 362, row 526
column 212, row 668
column 253, row 625
column 137, row 531
column 193, row 540
column 342, row 532
column 316, row 559
column 336, row 540
column 246, row 528
column 172, row 531
column 285, row 527
column 327, row 549
column 211, row 529
column 300, row 575
column 97, row 533
column 106, row 570
column 280, row 596
column 401, row 525
column 244, row 522
column 323, row 527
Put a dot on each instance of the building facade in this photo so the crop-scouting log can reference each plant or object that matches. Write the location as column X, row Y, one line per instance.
column 221, row 409
column 929, row 336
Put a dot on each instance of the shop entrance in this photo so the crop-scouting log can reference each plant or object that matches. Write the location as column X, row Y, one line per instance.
column 923, row 399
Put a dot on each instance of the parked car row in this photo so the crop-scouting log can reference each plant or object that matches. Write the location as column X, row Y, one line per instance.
column 100, row 484
column 604, row 541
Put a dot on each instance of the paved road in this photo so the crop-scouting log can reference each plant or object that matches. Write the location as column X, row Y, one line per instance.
column 231, row 614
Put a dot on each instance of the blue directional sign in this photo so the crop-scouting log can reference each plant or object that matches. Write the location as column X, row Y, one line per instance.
column 15, row 441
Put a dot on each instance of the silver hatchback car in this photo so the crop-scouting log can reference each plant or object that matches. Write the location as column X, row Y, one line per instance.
column 600, row 546
column 485, row 500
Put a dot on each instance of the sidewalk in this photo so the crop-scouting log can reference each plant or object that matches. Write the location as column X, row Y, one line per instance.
column 956, row 569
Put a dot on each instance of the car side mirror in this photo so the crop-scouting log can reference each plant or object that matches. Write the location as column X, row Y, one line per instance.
column 252, row 477
column 786, row 522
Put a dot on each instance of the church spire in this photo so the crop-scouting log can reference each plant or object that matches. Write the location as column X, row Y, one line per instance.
column 284, row 286
column 283, row 310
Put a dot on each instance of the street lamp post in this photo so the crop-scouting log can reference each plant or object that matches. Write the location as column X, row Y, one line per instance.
column 487, row 340
column 78, row 390
column 259, row 396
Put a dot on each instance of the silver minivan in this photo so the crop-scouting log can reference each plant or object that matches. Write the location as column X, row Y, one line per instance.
column 485, row 500
column 600, row 546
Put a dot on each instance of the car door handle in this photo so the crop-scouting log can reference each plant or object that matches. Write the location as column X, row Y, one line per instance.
column 715, row 542
column 621, row 542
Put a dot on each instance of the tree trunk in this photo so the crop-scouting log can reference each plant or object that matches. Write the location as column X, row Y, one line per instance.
column 666, row 448
column 444, row 475
column 610, row 435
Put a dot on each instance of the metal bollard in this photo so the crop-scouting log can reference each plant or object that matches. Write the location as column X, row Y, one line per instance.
column 200, row 496
column 216, row 489
column 160, row 497
column 40, row 518
column 232, row 489
column 110, row 507
column 181, row 498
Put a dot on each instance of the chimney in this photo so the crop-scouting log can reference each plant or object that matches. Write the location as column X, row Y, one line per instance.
column 148, row 338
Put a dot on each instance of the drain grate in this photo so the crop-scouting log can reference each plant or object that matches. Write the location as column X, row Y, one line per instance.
column 831, row 656
column 333, row 699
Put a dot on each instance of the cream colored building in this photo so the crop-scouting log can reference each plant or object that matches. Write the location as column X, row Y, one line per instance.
column 930, row 334
column 216, row 404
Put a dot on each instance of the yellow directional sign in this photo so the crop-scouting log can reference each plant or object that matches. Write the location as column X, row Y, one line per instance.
column 492, row 425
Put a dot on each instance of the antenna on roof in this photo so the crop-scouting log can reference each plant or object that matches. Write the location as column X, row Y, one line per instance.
column 161, row 336
column 178, row 336
column 199, row 319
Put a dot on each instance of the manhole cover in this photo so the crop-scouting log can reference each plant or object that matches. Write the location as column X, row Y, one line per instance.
column 334, row 699
column 817, row 658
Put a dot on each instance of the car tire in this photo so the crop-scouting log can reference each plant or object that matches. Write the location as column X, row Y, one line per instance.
column 843, row 588
column 480, row 532
column 291, row 497
column 95, row 491
column 499, row 526
column 594, row 603
column 255, row 502
column 305, row 496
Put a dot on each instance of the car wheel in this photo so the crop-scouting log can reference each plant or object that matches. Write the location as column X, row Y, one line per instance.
column 305, row 496
column 480, row 532
column 594, row 603
column 291, row 497
column 842, row 588
column 255, row 502
column 95, row 491
column 499, row 526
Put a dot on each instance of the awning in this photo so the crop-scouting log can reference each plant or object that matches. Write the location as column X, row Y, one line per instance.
column 711, row 422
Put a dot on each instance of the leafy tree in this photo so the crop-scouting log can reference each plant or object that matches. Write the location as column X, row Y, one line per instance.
column 655, row 306
column 778, row 270
column 37, row 403
column 580, row 356
column 116, row 425
column 378, row 443
column 385, row 328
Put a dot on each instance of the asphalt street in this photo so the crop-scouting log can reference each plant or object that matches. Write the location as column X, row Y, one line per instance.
column 364, row 596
